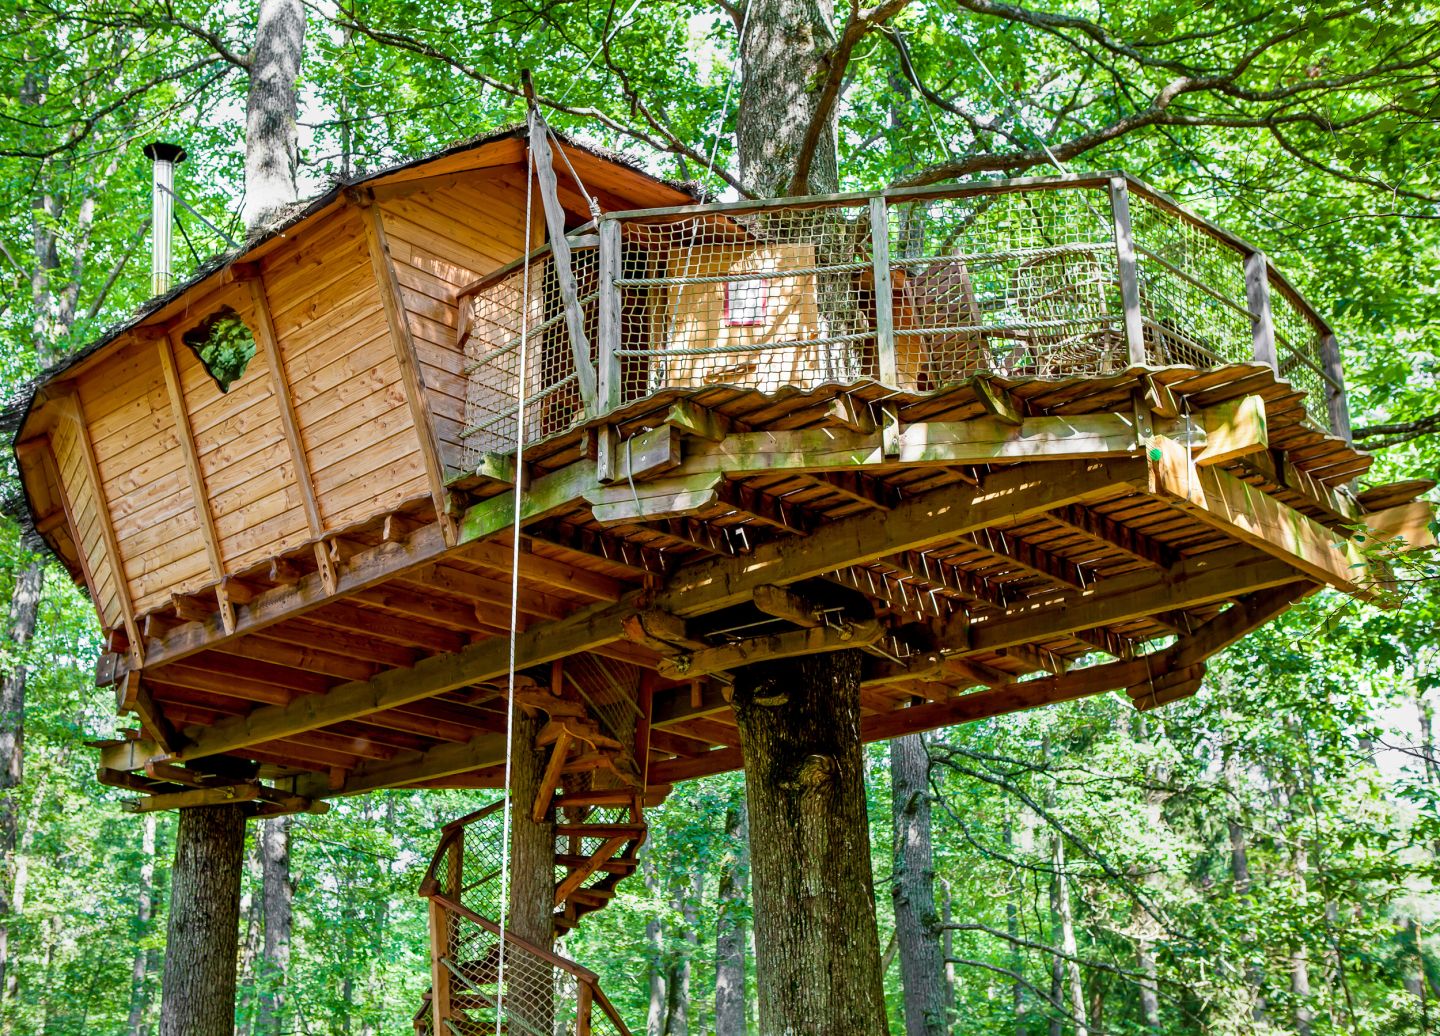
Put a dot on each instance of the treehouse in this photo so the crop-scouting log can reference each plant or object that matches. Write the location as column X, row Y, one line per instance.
column 1017, row 441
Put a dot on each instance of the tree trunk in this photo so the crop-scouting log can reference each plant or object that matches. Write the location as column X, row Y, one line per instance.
column 198, row 990
column 278, row 891
column 655, row 942
column 144, row 962
column 24, row 607
column 1149, row 985
column 271, row 112
column 912, row 889
column 1065, row 922
column 687, row 903
column 1240, row 874
column 730, row 928
column 530, row 991
column 817, row 953
column 782, row 59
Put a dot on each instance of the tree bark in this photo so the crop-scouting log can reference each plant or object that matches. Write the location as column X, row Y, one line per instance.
column 687, row 902
column 1065, row 922
column 278, row 892
column 530, row 991
column 271, row 112
column 24, row 607
column 912, row 889
column 144, row 961
column 1240, row 875
column 817, row 952
column 655, row 942
column 730, row 927
column 198, row 990
column 782, row 61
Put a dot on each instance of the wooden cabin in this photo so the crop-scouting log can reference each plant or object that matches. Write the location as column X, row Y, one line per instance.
column 1019, row 441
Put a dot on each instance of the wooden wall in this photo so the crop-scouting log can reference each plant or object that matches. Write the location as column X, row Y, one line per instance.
column 170, row 484
column 441, row 239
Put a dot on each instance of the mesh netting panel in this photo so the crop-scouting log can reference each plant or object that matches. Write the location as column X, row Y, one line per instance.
column 608, row 688
column 470, row 865
column 492, row 355
column 1192, row 291
column 1298, row 355
column 1022, row 284
column 533, row 996
column 761, row 301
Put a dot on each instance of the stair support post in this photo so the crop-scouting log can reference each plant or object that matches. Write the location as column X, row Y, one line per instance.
column 439, row 973
column 1129, row 270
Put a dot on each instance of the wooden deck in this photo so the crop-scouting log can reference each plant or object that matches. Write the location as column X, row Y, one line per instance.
column 307, row 578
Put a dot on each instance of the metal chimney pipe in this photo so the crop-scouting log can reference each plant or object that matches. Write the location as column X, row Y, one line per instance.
column 162, row 157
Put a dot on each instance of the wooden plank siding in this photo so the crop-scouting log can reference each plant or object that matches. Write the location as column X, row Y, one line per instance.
column 360, row 441
column 441, row 240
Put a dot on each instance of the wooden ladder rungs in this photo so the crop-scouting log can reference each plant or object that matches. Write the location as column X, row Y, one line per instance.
column 592, row 897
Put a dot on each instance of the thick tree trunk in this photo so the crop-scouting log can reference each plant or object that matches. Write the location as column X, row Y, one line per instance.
column 730, row 928
column 782, row 61
column 912, row 889
column 271, row 111
column 1149, row 985
column 24, row 607
column 817, row 953
column 530, row 991
column 198, row 991
column 278, row 891
column 144, row 962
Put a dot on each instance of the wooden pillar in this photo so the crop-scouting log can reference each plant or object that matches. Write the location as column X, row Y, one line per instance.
column 198, row 989
column 1129, row 271
column 1257, row 296
column 610, row 386
column 1335, row 400
column 887, row 367
column 529, row 988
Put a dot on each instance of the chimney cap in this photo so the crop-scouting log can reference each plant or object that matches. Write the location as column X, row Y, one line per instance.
column 160, row 151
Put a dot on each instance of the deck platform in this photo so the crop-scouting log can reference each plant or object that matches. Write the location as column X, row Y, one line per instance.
column 1020, row 442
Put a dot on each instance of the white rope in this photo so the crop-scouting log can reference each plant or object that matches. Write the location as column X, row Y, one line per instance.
column 729, row 87
column 514, row 593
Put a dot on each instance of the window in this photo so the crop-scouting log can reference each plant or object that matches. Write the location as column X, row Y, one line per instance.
column 747, row 301
column 224, row 345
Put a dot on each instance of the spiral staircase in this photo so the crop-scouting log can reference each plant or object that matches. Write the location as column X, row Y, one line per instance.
column 599, row 825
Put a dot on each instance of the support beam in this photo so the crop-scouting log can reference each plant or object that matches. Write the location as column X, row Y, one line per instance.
column 200, row 497
column 1011, row 494
column 76, row 412
column 397, row 318
column 1250, row 515
column 792, row 644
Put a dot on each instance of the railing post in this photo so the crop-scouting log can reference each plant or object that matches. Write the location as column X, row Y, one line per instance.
column 439, row 973
column 1129, row 271
column 583, row 1006
column 1338, row 405
column 1257, row 299
column 884, row 298
column 609, row 387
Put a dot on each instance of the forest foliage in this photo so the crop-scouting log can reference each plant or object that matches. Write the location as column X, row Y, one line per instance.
column 1258, row 859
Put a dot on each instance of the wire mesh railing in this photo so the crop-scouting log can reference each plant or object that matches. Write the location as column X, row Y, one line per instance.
column 920, row 288
column 529, row 989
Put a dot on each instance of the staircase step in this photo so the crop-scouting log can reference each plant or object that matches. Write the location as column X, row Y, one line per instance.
column 600, row 830
column 596, row 897
column 614, row 865
column 611, row 797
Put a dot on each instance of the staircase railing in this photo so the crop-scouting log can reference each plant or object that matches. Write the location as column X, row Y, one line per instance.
column 533, row 991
